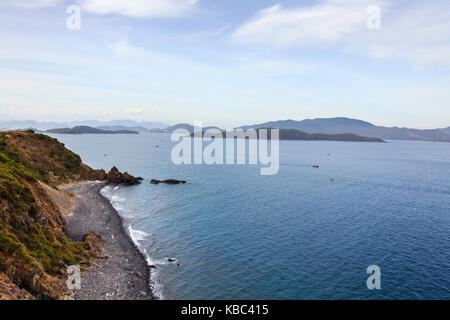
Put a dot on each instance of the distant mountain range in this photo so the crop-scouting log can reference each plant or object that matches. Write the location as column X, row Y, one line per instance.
column 115, row 124
column 89, row 130
column 445, row 130
column 118, row 128
column 333, row 126
column 330, row 126
column 358, row 127
column 293, row 134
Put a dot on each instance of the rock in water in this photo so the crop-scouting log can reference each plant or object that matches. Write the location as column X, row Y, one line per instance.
column 168, row 181
column 115, row 176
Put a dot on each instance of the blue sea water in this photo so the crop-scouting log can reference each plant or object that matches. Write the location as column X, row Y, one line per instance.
column 294, row 235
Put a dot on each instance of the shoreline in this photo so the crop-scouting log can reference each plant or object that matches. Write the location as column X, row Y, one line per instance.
column 122, row 273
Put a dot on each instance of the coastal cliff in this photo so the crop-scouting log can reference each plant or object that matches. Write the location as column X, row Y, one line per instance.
column 34, row 246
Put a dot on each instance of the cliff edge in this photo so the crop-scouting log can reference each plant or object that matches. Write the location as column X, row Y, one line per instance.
column 34, row 248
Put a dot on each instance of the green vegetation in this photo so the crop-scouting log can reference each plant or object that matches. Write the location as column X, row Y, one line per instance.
column 44, row 157
column 31, row 226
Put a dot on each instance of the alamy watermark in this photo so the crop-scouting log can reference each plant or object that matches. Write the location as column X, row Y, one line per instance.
column 374, row 280
column 74, row 20
column 373, row 21
column 73, row 277
column 191, row 148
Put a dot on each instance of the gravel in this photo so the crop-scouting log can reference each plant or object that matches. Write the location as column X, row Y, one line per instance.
column 122, row 273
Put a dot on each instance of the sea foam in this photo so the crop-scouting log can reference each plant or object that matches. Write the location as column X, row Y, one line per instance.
column 137, row 236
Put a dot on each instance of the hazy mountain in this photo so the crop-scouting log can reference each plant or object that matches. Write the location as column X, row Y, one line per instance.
column 170, row 129
column 358, row 127
column 185, row 126
column 321, row 125
column 445, row 130
column 19, row 124
column 88, row 130
column 293, row 134
column 115, row 128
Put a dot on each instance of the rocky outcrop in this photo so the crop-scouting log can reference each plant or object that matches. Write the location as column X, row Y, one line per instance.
column 98, row 175
column 168, row 181
column 95, row 244
column 116, row 177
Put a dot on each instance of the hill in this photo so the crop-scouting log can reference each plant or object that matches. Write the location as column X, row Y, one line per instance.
column 292, row 134
column 358, row 127
column 34, row 247
column 123, row 128
column 89, row 130
column 445, row 130
column 185, row 126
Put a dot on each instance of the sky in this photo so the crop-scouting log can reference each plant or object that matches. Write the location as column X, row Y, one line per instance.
column 226, row 62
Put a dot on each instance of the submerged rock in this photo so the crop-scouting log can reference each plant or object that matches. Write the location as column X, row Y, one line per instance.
column 168, row 181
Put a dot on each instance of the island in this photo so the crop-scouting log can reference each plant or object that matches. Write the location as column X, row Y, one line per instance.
column 89, row 130
column 293, row 134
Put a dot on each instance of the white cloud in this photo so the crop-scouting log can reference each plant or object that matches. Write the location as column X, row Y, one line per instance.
column 134, row 111
column 416, row 32
column 124, row 48
column 205, row 34
column 31, row 3
column 140, row 8
column 133, row 8
column 326, row 22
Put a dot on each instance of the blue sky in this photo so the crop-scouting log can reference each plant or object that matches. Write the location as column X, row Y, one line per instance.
column 226, row 62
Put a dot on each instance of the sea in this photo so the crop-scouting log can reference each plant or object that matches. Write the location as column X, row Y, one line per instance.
column 303, row 233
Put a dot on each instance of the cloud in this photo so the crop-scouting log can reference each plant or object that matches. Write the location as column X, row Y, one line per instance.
column 134, row 111
column 329, row 21
column 140, row 8
column 133, row 8
column 417, row 32
column 31, row 3
column 206, row 34
column 124, row 48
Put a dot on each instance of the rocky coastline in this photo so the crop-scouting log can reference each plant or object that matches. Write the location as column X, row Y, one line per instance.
column 44, row 229
column 121, row 272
